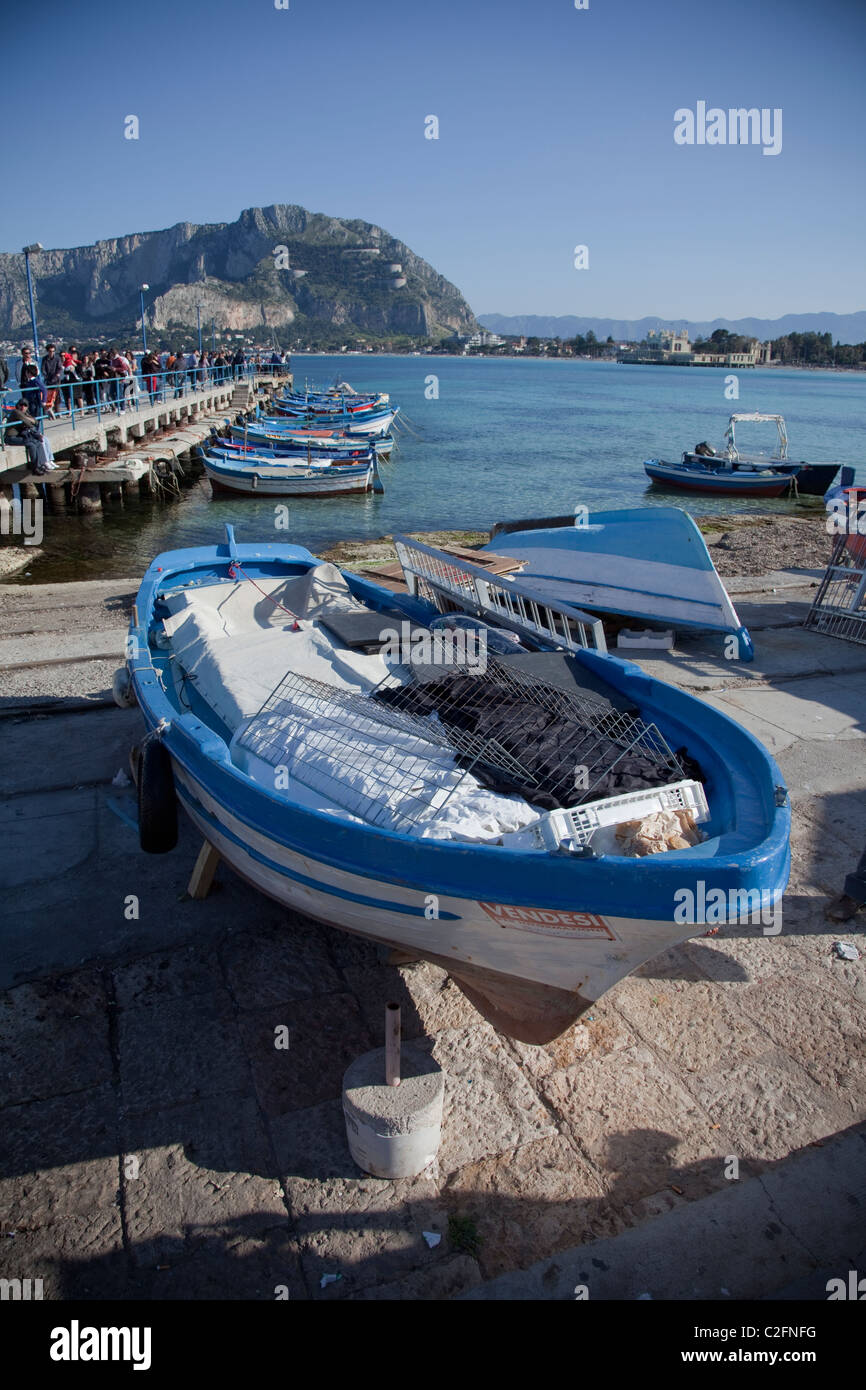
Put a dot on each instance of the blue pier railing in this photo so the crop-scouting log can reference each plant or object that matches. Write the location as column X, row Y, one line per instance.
column 81, row 401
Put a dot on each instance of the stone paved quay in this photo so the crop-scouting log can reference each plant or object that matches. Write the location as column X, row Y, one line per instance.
column 156, row 1144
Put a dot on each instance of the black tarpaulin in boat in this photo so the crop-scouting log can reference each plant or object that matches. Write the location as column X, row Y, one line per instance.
column 573, row 746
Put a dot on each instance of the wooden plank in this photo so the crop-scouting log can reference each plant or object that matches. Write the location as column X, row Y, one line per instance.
column 477, row 557
column 375, row 572
column 201, row 877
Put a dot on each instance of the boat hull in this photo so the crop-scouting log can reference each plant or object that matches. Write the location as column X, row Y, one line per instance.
column 271, row 482
column 614, row 562
column 727, row 484
column 358, row 424
column 532, row 986
column 813, row 479
column 253, row 441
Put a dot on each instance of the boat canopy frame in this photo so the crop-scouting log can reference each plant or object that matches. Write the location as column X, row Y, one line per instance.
column 755, row 417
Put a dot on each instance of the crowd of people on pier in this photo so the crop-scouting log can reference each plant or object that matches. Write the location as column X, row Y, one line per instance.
column 116, row 379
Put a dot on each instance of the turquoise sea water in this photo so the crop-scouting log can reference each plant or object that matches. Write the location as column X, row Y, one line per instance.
column 506, row 438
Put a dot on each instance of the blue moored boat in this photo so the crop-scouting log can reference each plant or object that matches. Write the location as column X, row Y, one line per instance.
column 288, row 711
column 276, row 475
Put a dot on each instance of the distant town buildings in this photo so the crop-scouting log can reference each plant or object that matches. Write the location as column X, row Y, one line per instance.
column 666, row 346
column 484, row 339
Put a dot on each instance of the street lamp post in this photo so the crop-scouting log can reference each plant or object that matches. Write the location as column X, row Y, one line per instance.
column 142, row 291
column 198, row 317
column 28, row 252
column 213, row 333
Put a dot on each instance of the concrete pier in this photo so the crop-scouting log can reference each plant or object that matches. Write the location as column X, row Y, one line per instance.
column 181, row 1154
column 134, row 426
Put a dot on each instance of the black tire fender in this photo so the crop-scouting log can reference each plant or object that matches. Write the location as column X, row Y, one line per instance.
column 157, row 799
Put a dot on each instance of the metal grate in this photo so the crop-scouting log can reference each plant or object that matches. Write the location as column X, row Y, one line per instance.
column 513, row 603
column 387, row 765
column 839, row 607
column 573, row 746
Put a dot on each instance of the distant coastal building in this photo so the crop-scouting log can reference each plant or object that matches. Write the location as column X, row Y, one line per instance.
column 484, row 339
column 667, row 347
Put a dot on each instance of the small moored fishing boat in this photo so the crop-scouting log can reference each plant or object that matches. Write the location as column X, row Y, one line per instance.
column 719, row 476
column 375, row 420
column 275, row 476
column 731, row 470
column 252, row 435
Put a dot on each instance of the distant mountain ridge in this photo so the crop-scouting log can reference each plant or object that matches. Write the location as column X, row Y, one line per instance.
column 845, row 328
column 331, row 276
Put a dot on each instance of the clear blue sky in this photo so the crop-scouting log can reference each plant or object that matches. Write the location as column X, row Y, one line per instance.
column 556, row 128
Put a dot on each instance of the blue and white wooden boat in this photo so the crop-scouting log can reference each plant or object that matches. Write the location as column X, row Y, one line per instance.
column 330, row 400
column 258, row 438
column 376, row 420
column 298, row 756
column 259, row 476
column 645, row 563
column 295, row 449
column 720, row 477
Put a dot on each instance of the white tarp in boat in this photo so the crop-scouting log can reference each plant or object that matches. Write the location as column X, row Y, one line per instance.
column 386, row 769
column 236, row 646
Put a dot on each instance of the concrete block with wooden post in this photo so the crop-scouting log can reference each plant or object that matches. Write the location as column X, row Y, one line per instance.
column 392, row 1103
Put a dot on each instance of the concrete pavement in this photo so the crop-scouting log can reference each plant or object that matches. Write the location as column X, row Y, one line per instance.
column 159, row 1145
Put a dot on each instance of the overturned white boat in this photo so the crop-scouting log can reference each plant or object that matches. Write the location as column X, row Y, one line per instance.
column 649, row 563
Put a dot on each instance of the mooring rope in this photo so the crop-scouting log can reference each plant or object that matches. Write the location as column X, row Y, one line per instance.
column 77, row 481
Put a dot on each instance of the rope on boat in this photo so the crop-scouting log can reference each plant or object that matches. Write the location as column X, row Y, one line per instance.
column 235, row 568
column 402, row 421
column 156, row 733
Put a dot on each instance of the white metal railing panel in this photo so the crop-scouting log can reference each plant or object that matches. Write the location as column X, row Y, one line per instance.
column 511, row 602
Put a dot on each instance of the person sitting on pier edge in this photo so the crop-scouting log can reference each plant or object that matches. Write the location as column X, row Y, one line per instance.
column 31, row 383
column 23, row 429
column 52, row 375
column 18, row 421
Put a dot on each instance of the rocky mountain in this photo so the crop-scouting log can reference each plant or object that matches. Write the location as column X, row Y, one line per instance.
column 303, row 274
column 846, row 328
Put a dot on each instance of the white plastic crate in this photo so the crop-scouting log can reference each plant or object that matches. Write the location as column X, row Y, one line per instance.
column 574, row 827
